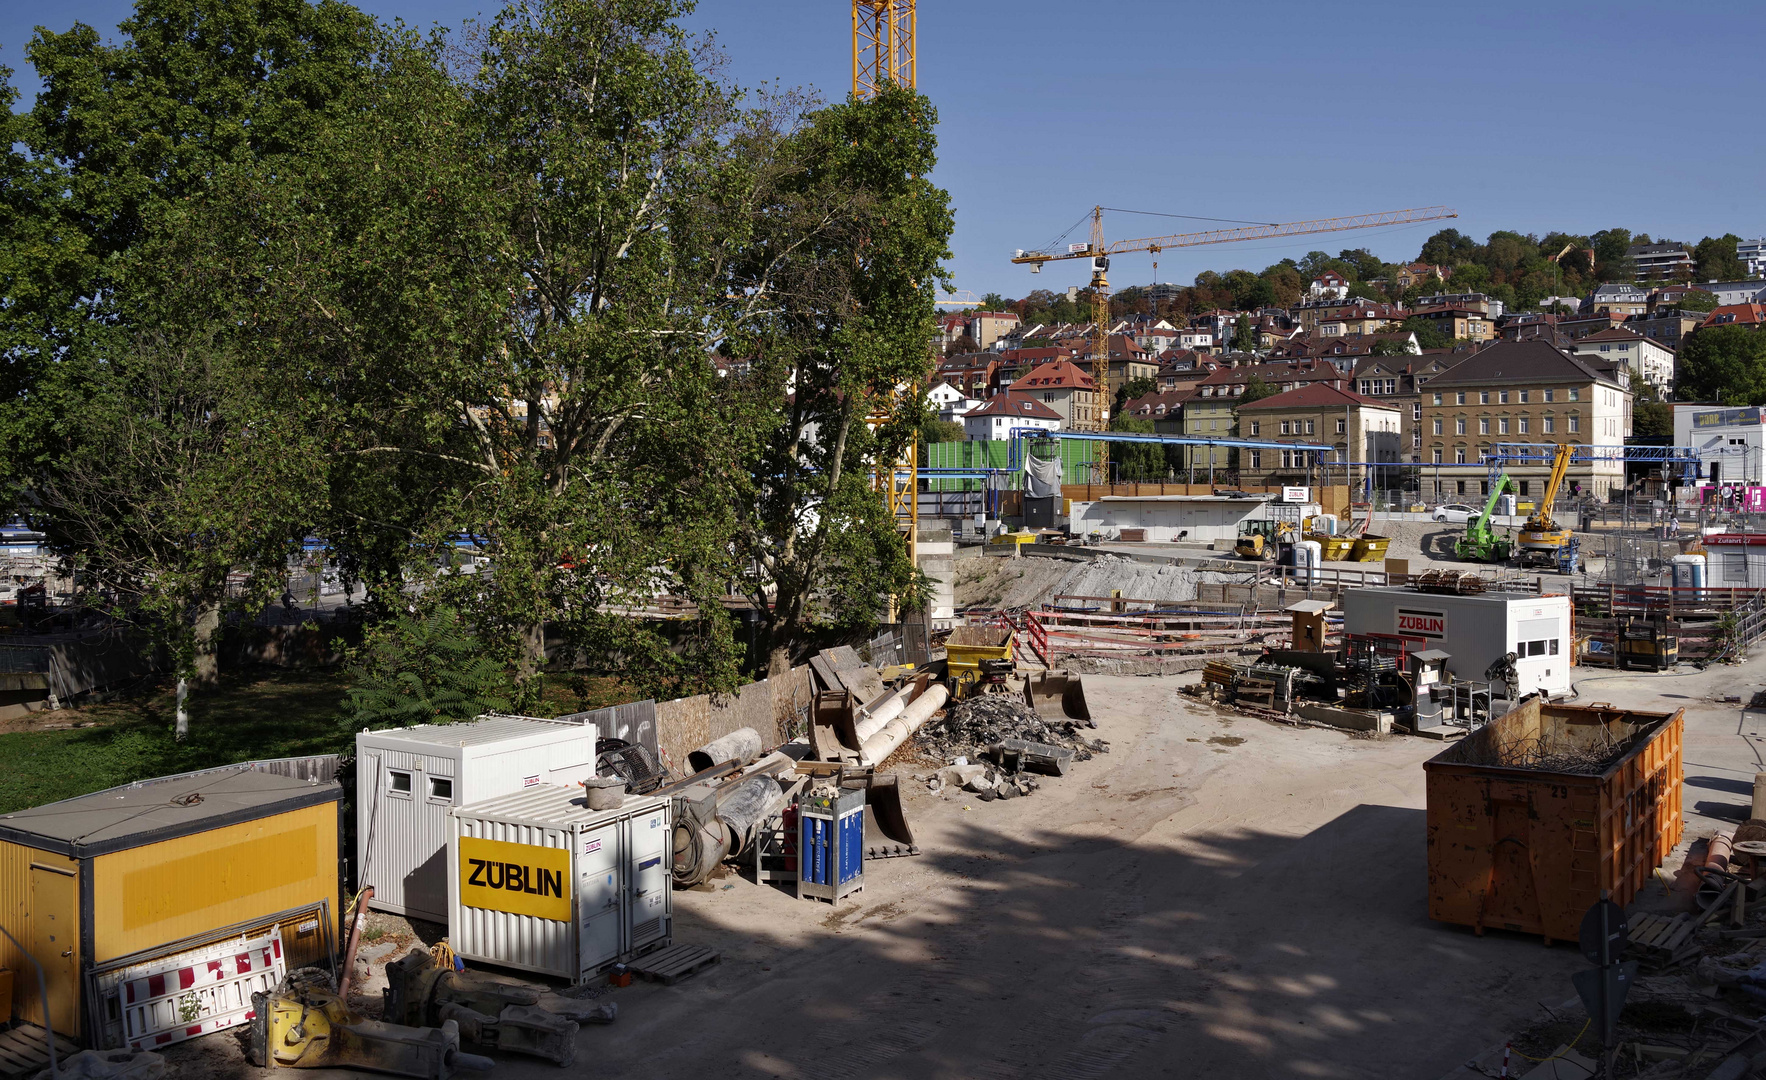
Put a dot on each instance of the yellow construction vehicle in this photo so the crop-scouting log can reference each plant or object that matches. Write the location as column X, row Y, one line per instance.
column 1542, row 541
column 1261, row 538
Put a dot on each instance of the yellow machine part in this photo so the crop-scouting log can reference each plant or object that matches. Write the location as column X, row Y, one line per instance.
column 312, row 1028
column 1250, row 547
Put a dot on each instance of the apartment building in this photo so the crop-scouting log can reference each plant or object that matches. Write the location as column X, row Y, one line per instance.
column 1398, row 381
column 1521, row 392
column 1364, row 432
column 1660, row 262
column 1460, row 323
column 1208, row 411
column 1068, row 390
column 1648, row 360
column 1619, row 299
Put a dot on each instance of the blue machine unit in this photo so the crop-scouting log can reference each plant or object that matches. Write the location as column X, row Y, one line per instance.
column 830, row 844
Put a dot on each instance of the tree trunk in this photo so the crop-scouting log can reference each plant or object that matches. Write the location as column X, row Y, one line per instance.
column 204, row 665
column 778, row 662
column 533, row 650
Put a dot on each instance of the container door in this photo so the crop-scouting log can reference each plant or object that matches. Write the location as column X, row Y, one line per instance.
column 651, row 876
column 597, row 897
column 1513, row 900
column 55, row 939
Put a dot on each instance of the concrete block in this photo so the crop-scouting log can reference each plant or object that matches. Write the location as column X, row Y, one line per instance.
column 1348, row 719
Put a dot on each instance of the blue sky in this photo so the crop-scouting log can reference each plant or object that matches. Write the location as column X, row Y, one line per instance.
column 1528, row 116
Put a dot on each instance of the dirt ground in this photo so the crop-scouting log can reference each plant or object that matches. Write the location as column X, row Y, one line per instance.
column 1217, row 896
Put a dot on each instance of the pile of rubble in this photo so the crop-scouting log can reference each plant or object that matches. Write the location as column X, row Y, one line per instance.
column 992, row 743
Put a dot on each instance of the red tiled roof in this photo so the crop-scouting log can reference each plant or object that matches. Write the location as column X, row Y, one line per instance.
column 1058, row 374
column 1316, row 396
column 1014, row 405
column 1736, row 315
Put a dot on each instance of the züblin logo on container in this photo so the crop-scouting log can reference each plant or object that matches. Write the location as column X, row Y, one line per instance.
column 521, row 879
column 516, row 877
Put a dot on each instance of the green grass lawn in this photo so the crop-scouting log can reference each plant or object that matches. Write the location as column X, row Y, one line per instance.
column 257, row 714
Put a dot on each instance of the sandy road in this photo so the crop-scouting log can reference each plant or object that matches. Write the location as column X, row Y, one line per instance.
column 1218, row 896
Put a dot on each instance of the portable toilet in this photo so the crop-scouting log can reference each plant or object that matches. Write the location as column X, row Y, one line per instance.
column 408, row 780
column 140, row 901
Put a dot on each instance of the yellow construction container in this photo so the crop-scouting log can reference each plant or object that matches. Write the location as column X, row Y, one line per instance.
column 1370, row 548
column 141, row 873
column 1335, row 548
column 967, row 646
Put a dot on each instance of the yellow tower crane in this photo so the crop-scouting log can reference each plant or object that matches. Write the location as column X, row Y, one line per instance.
column 885, row 38
column 1099, row 252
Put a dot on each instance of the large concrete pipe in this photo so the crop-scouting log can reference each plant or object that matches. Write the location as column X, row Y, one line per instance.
column 895, row 732
column 741, row 745
column 886, row 710
column 747, row 805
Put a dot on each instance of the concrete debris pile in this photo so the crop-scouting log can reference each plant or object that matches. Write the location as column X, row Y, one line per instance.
column 993, row 742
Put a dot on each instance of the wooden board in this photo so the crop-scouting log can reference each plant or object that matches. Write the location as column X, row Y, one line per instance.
column 24, row 1050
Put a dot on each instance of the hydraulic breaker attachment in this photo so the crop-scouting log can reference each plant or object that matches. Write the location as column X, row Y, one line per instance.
column 517, row 1029
column 488, row 1014
column 313, row 1029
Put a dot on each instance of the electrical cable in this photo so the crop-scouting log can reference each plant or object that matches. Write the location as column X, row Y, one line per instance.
column 1567, row 1046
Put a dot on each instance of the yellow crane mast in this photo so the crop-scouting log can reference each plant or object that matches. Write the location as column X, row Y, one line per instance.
column 1099, row 252
column 885, row 39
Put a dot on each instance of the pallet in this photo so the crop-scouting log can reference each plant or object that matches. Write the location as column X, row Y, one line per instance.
column 24, row 1050
column 670, row 966
column 1662, row 941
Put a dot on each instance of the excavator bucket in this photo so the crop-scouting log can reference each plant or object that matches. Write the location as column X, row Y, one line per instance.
column 1058, row 696
column 883, row 797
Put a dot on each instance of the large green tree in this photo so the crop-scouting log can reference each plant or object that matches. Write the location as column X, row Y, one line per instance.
column 841, row 272
column 499, row 279
column 1723, row 363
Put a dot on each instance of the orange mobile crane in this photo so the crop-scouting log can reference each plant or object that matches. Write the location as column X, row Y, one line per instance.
column 1099, row 252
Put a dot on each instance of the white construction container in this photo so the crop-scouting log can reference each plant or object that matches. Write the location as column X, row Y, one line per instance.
column 542, row 883
column 1475, row 631
column 409, row 779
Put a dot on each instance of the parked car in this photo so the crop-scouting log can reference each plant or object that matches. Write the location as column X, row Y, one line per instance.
column 1456, row 513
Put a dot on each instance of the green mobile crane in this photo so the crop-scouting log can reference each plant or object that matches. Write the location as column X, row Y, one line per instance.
column 1481, row 543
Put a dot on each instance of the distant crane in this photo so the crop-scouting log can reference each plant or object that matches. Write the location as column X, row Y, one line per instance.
column 1099, row 252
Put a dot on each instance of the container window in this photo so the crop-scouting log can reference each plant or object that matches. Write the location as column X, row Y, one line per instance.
column 440, row 787
column 398, row 782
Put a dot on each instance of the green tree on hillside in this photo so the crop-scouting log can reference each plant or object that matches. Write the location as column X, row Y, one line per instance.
column 1717, row 259
column 1723, row 363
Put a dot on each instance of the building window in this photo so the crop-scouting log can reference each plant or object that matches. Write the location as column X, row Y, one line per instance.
column 1548, row 395
column 1416, row 410
column 1523, row 425
column 1285, row 430
column 1256, row 458
column 1459, row 425
column 441, row 789
column 1256, row 427
column 1460, row 398
column 1483, row 425
column 1459, row 455
column 1483, row 397
column 1575, row 422
column 398, row 782
column 1575, row 393
column 1550, row 425
column 1502, row 424
column 1311, row 426
column 1523, row 397
column 1391, row 386
column 1437, row 453
column 1342, row 426
column 1437, row 425
column 1502, row 397
column 1438, row 399
column 1524, row 484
